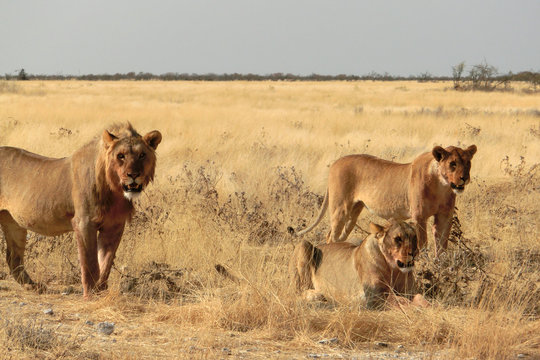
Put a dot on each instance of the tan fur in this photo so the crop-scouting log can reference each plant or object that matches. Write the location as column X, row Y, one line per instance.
column 376, row 273
column 89, row 192
column 426, row 187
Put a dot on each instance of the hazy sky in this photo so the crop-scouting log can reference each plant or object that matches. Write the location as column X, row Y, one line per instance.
column 401, row 37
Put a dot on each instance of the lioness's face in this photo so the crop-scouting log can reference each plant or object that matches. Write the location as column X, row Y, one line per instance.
column 398, row 245
column 454, row 165
column 132, row 159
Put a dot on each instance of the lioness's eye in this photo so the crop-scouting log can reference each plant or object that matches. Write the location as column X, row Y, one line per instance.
column 120, row 156
column 453, row 165
column 398, row 240
column 142, row 155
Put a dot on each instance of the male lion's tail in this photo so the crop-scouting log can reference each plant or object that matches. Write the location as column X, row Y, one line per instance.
column 324, row 206
column 306, row 258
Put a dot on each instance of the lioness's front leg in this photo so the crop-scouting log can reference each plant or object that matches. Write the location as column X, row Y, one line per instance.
column 421, row 232
column 397, row 301
column 108, row 241
column 441, row 230
column 86, row 235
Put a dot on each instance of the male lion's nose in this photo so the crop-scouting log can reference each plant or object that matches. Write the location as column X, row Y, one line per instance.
column 133, row 175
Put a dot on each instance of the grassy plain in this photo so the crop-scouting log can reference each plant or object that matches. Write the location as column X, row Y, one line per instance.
column 241, row 161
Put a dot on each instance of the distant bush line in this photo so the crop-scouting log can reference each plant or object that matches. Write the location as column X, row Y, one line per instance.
column 480, row 77
column 170, row 76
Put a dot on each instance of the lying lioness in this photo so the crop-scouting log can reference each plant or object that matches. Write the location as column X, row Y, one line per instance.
column 376, row 273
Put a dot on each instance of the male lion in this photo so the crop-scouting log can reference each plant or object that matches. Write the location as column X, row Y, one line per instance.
column 376, row 273
column 426, row 187
column 90, row 192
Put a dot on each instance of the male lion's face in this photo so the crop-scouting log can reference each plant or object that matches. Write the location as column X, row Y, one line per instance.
column 398, row 244
column 131, row 161
column 454, row 165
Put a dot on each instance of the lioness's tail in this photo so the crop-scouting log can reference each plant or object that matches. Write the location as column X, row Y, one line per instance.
column 324, row 206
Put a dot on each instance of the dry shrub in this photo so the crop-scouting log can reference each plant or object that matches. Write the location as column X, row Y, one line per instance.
column 449, row 277
column 196, row 191
column 28, row 335
column 159, row 282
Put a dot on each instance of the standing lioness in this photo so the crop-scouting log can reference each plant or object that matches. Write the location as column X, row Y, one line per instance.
column 374, row 273
column 89, row 192
column 426, row 187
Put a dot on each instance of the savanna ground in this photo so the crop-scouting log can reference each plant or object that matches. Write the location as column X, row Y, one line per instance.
column 241, row 161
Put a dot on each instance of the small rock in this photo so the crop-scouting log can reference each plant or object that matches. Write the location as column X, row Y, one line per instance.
column 521, row 356
column 105, row 327
column 22, row 303
column 328, row 341
column 89, row 322
column 48, row 312
column 381, row 344
column 226, row 351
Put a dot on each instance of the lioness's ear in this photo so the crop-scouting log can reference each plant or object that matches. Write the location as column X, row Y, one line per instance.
column 153, row 138
column 471, row 150
column 439, row 153
column 376, row 229
column 108, row 138
column 412, row 224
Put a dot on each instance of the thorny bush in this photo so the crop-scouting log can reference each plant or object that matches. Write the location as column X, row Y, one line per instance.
column 448, row 278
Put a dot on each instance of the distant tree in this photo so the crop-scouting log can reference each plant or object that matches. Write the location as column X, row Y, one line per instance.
column 482, row 76
column 457, row 74
column 22, row 75
column 425, row 77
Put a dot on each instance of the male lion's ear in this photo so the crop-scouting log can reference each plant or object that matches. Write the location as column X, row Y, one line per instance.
column 153, row 138
column 108, row 138
column 376, row 229
column 471, row 150
column 439, row 153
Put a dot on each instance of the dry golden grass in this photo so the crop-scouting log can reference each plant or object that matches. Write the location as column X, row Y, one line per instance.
column 239, row 162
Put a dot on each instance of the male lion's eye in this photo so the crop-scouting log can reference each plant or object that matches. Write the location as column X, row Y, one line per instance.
column 398, row 240
column 120, row 156
column 142, row 155
column 453, row 165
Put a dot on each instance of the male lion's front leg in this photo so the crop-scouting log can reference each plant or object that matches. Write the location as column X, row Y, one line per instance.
column 108, row 241
column 441, row 230
column 86, row 234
